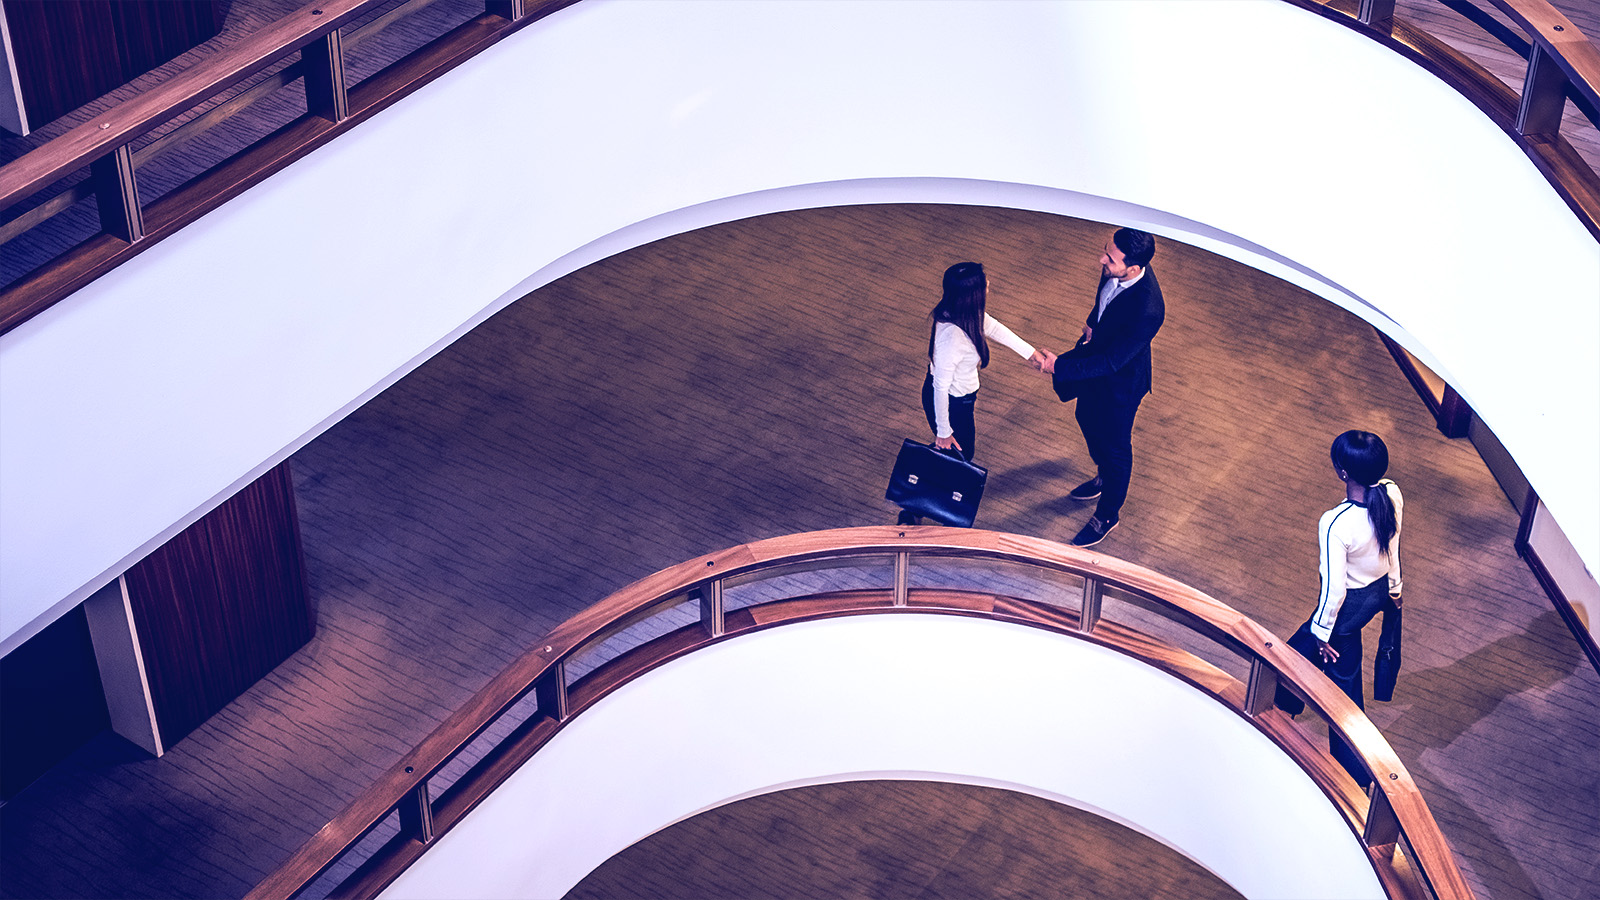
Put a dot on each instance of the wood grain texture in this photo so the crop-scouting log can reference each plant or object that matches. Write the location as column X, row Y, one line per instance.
column 1458, row 32
column 176, row 93
column 67, row 254
column 477, row 504
column 221, row 604
column 64, row 255
column 754, row 379
column 1547, row 26
column 529, row 727
column 69, row 52
column 887, row 840
column 1491, row 74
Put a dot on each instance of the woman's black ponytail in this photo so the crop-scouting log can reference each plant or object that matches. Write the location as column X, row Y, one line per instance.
column 1364, row 458
column 1380, row 510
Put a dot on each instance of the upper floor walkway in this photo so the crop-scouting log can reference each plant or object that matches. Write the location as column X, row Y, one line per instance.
column 81, row 399
column 734, row 405
column 699, row 393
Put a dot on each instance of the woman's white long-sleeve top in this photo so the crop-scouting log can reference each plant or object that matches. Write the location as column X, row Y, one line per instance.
column 954, row 366
column 1351, row 557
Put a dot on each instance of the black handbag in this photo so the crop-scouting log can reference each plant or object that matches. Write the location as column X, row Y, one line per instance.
column 929, row 482
column 1386, row 664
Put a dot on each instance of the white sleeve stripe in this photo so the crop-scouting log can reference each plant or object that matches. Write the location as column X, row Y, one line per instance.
column 1327, row 548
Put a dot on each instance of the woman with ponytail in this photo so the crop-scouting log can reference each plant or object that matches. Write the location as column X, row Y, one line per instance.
column 958, row 346
column 1360, row 541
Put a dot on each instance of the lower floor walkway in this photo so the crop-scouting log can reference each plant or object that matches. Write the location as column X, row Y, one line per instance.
column 755, row 379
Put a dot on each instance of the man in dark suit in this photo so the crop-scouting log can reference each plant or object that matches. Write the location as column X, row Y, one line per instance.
column 1108, row 371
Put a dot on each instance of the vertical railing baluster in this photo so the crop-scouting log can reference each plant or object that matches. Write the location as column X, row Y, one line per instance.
column 551, row 692
column 416, row 814
column 711, row 611
column 1089, row 615
column 902, row 577
column 1383, row 826
column 323, row 62
column 1455, row 416
column 1262, row 691
column 1544, row 95
column 1377, row 15
column 510, row 10
column 116, row 192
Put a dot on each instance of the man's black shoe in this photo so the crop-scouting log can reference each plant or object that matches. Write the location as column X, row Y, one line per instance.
column 1093, row 532
column 1089, row 490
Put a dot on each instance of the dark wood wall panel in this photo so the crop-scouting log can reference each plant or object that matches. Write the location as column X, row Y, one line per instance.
column 221, row 604
column 261, row 570
column 171, row 591
column 151, row 32
column 69, row 52
column 64, row 54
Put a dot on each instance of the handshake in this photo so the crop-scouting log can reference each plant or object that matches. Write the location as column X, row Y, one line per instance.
column 1045, row 361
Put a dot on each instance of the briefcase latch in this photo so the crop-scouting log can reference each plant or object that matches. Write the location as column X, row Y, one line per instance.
column 911, row 478
column 956, row 496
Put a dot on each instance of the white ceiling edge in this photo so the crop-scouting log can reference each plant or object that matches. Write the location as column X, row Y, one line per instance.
column 134, row 406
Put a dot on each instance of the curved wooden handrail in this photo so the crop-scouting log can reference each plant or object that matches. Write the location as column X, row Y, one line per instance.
column 1576, row 57
column 95, row 138
column 1571, row 49
column 113, row 132
column 1396, row 809
column 1530, row 117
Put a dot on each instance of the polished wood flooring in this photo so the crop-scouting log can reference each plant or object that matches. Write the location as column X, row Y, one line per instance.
column 899, row 840
column 754, row 379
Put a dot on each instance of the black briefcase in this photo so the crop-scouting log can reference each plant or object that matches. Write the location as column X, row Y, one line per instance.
column 929, row 482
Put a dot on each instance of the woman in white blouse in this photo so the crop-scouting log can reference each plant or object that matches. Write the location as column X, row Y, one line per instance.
column 1360, row 568
column 958, row 346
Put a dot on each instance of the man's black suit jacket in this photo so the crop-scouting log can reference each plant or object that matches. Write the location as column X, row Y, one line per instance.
column 1114, row 365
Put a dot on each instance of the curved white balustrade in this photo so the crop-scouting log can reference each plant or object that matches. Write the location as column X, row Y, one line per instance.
column 1256, row 130
column 903, row 696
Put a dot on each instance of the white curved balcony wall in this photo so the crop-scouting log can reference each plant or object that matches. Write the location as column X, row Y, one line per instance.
column 1256, row 130
column 924, row 697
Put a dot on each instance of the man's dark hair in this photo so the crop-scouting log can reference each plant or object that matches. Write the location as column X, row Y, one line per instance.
column 1137, row 247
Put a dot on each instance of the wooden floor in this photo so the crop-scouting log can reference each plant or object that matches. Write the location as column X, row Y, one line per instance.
column 898, row 840
column 754, row 379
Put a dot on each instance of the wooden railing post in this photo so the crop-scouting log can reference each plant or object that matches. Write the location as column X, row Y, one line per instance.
column 542, row 669
column 1544, row 95
column 1089, row 616
column 510, row 10
column 322, row 68
column 1382, row 827
column 1262, row 691
column 323, row 65
column 1377, row 15
column 416, row 814
column 1455, row 416
column 711, row 611
column 117, row 194
column 551, row 692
